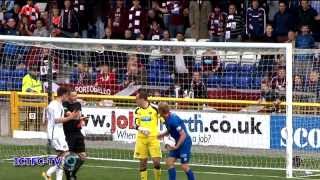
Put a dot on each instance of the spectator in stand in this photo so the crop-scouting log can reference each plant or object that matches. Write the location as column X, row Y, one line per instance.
column 199, row 12
column 186, row 23
column 154, row 17
column 306, row 15
column 7, row 7
column 31, row 81
column 175, row 9
column 269, row 95
column 137, row 19
column 118, row 20
column 198, row 88
column 108, row 33
column 234, row 25
column 304, row 39
column 292, row 37
column 80, row 8
column 160, row 6
column 81, row 75
column 298, row 83
column 105, row 78
column 128, row 35
column 256, row 21
column 10, row 29
column 25, row 28
column 166, row 36
column 210, row 63
column 312, row 85
column 269, row 36
column 14, row 13
column 180, row 36
column 31, row 11
column 69, row 25
column 135, row 74
column 278, row 82
column 41, row 29
column 155, row 32
column 283, row 22
column 55, row 22
column 216, row 25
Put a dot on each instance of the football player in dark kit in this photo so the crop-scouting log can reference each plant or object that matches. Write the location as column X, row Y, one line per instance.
column 74, row 138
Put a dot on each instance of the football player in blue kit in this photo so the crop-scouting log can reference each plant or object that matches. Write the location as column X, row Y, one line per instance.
column 182, row 148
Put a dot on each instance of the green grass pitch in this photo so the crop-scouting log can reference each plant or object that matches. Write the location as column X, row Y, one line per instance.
column 116, row 170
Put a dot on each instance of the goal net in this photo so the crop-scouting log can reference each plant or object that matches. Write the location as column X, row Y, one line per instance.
column 245, row 105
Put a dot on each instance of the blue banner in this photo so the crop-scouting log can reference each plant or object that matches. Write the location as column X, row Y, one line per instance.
column 306, row 132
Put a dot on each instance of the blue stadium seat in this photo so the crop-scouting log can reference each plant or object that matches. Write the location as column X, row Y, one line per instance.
column 19, row 73
column 3, row 85
column 244, row 82
column 157, row 64
column 231, row 69
column 256, row 83
column 15, row 86
column 214, row 81
column 228, row 81
column 4, row 74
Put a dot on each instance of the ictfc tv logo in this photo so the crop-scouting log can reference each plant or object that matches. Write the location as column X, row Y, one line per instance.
column 302, row 138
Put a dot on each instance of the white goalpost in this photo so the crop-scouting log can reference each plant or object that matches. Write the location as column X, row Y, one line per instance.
column 242, row 121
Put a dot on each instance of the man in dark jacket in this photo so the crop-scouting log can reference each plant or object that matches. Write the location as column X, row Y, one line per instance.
column 282, row 23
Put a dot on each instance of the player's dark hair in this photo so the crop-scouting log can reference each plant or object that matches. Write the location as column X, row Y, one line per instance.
column 143, row 94
column 62, row 91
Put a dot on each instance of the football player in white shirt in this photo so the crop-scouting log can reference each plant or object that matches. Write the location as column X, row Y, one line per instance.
column 56, row 118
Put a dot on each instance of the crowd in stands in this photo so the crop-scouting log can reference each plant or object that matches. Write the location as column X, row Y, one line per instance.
column 271, row 21
column 294, row 21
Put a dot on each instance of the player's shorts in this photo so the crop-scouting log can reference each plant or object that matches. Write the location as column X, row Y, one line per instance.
column 146, row 146
column 76, row 143
column 183, row 153
column 59, row 144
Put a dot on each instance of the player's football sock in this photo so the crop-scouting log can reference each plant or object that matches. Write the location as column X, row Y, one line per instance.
column 172, row 173
column 59, row 174
column 157, row 174
column 144, row 175
column 51, row 170
column 190, row 175
column 45, row 176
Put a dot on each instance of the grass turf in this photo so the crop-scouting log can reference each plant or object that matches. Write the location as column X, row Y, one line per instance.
column 110, row 170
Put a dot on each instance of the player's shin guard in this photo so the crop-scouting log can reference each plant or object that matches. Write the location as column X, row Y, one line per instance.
column 172, row 173
column 144, row 175
column 190, row 175
column 157, row 173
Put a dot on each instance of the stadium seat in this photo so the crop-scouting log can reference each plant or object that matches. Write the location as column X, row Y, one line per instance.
column 15, row 86
column 243, row 82
column 228, row 81
column 3, row 85
column 4, row 74
column 214, row 81
column 231, row 69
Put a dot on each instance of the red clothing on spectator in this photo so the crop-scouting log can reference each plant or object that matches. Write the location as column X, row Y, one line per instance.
column 108, row 81
column 119, row 21
column 216, row 24
column 137, row 20
column 32, row 12
column 56, row 21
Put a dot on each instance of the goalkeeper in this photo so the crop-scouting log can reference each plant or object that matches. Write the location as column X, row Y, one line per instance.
column 147, row 124
column 182, row 149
